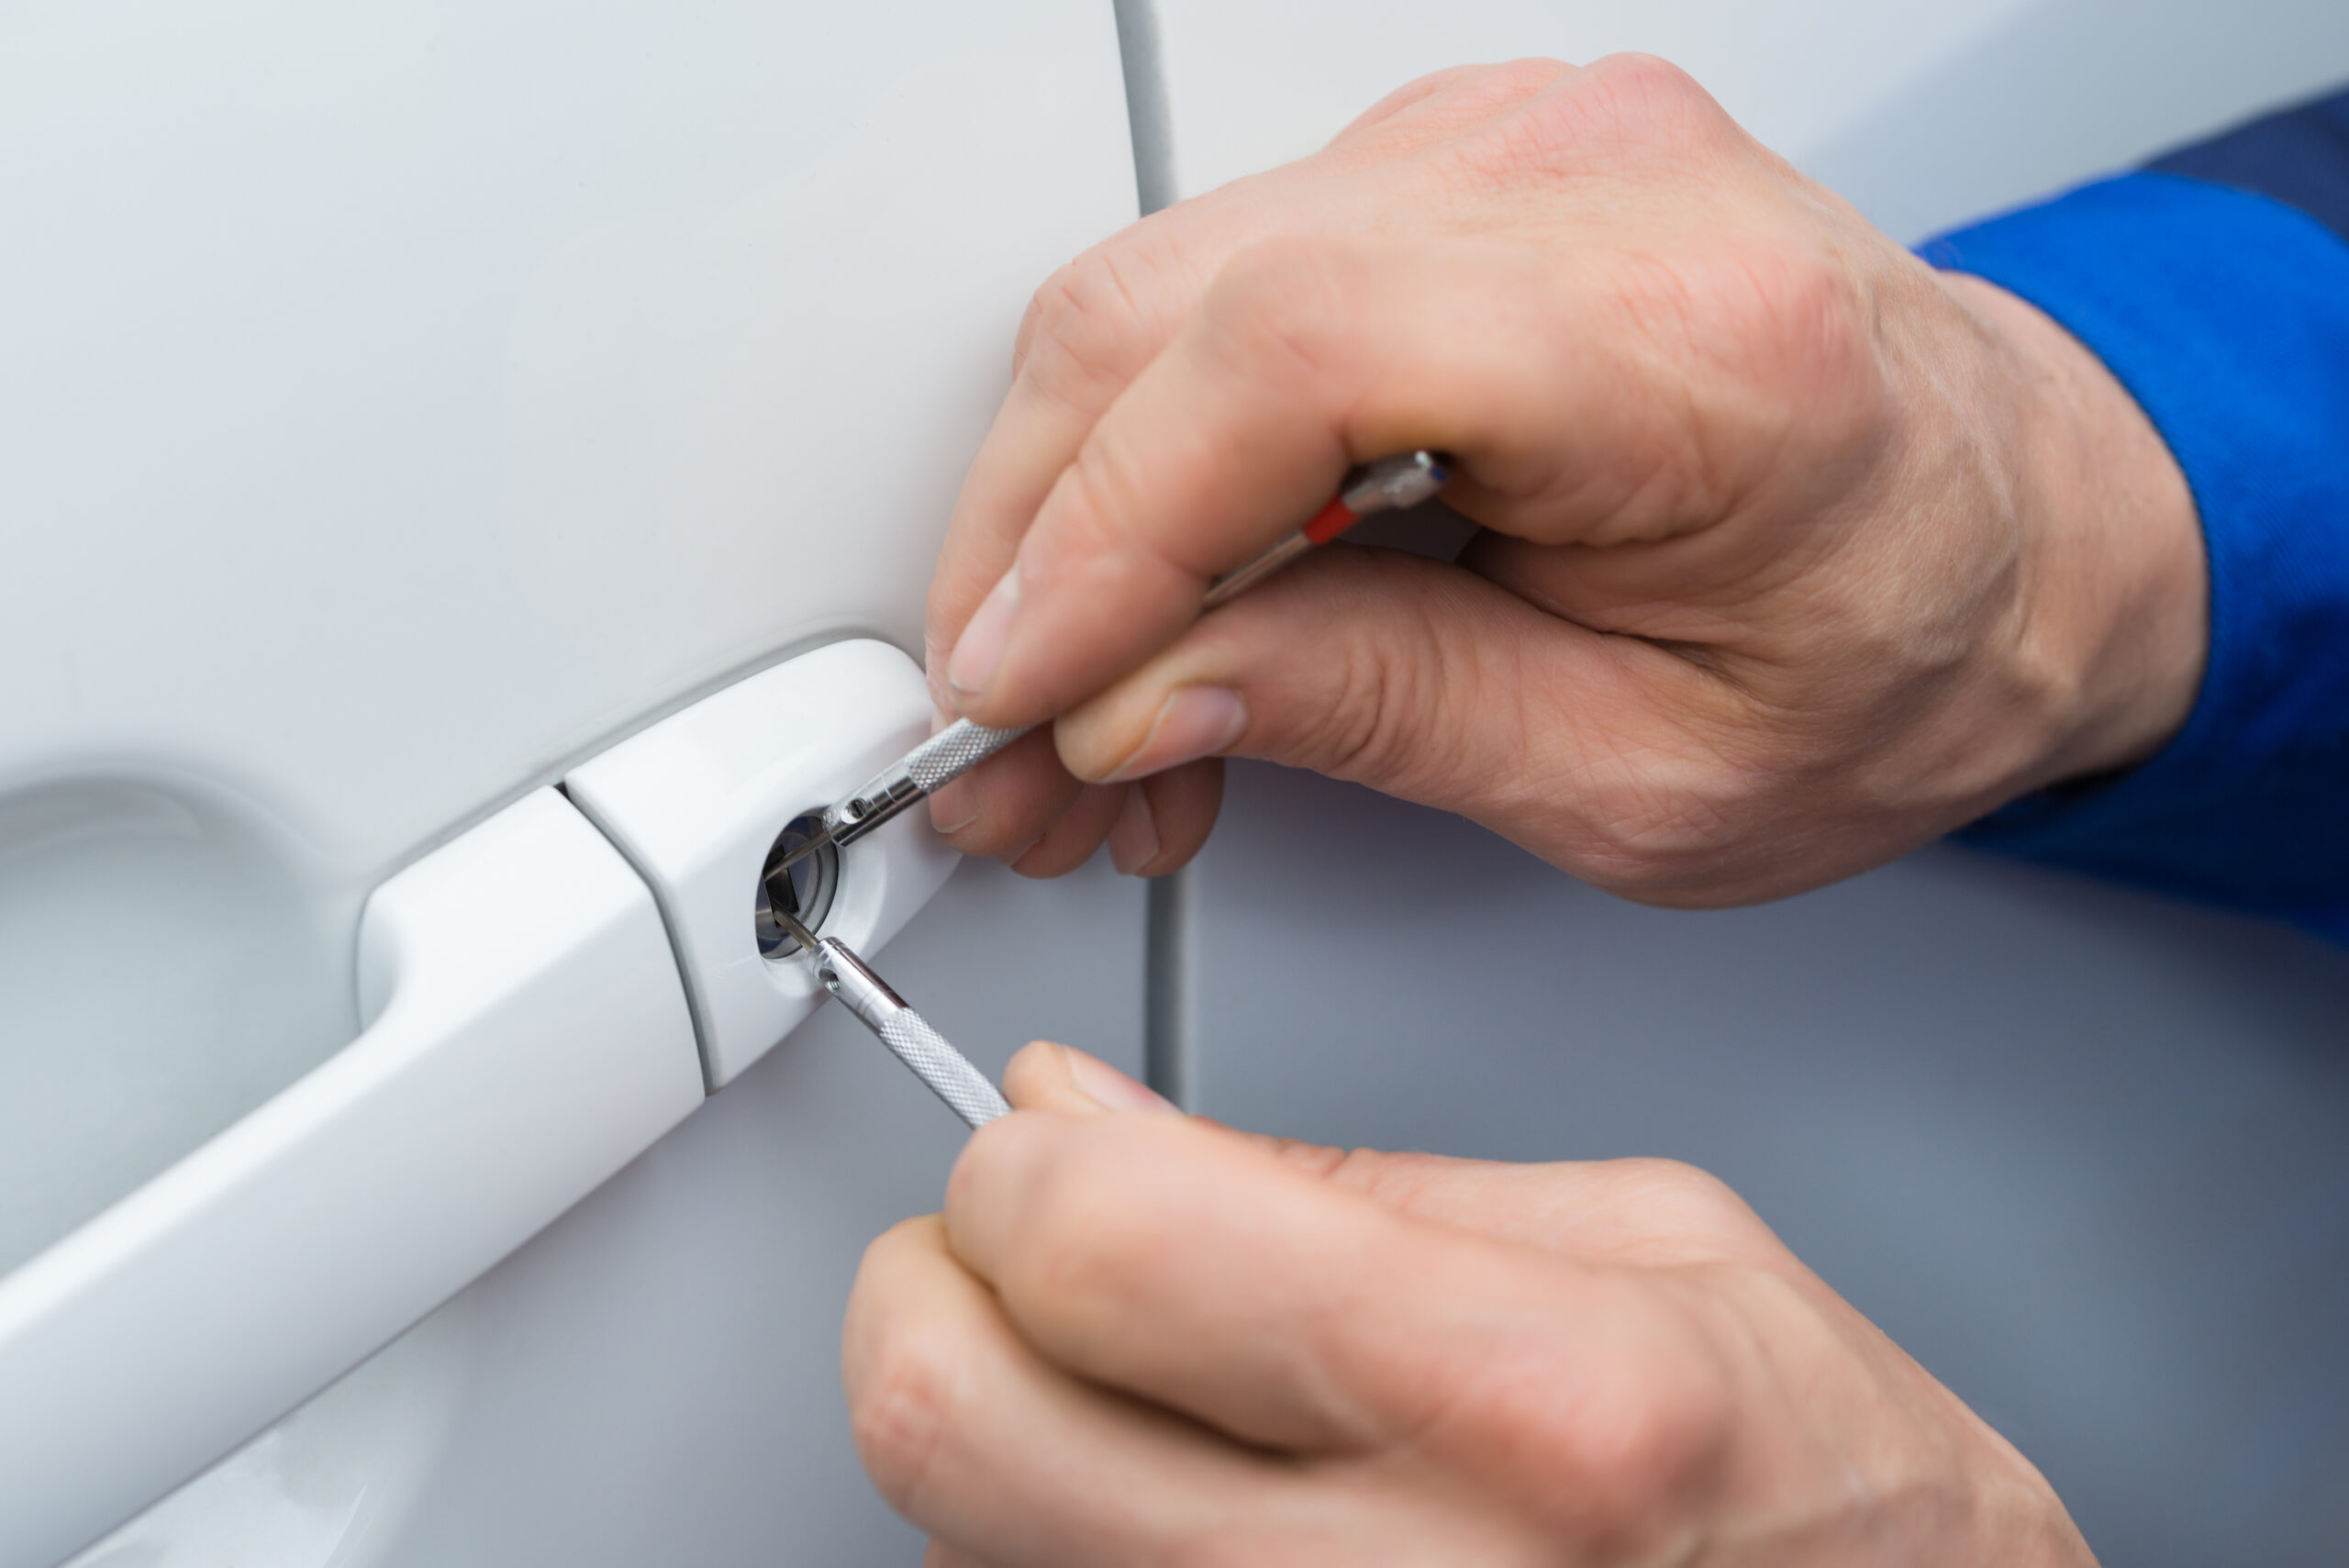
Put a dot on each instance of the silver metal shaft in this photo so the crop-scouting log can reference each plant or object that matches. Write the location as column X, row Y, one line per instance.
column 931, row 1056
column 1390, row 483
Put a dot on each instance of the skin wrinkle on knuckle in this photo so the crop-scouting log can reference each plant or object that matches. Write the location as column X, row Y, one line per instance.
column 1031, row 322
column 1708, row 413
column 1622, row 115
column 1817, row 319
column 1648, row 100
column 1473, row 95
column 1437, row 112
column 1344, row 737
column 1075, row 560
column 1092, row 329
column 1283, row 312
column 1381, row 718
column 1544, row 149
column 897, row 1423
column 1649, row 1447
column 1646, row 817
column 1093, row 540
column 903, row 1394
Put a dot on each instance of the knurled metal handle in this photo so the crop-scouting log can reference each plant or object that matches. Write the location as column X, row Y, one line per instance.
column 946, row 1070
column 955, row 750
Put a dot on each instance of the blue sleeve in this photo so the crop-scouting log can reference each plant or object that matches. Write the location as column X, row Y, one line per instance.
column 2216, row 288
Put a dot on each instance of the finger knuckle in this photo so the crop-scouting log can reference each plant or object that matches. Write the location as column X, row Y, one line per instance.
column 1641, row 98
column 1366, row 730
column 1463, row 85
column 901, row 1406
column 1800, row 318
column 1631, row 1452
column 1774, row 341
column 1283, row 306
column 1641, row 1454
column 1107, row 486
column 1626, row 110
column 1089, row 328
column 1084, row 1246
column 1372, row 700
column 1677, row 1192
column 1513, row 81
column 1477, row 93
column 1654, row 821
column 1439, row 108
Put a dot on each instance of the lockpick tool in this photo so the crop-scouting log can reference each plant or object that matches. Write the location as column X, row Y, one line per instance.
column 1389, row 484
column 932, row 1057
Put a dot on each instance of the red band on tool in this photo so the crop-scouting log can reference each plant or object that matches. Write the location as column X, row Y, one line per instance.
column 1328, row 522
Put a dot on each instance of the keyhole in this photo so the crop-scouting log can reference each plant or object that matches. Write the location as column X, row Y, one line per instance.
column 806, row 889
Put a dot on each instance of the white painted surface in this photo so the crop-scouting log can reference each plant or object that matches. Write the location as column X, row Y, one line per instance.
column 2079, row 1150
column 1922, row 112
column 526, row 1037
column 696, row 803
column 330, row 1483
column 404, row 399
column 406, row 402
column 165, row 966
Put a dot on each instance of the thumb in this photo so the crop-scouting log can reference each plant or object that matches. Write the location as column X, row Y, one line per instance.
column 1044, row 1075
column 1420, row 679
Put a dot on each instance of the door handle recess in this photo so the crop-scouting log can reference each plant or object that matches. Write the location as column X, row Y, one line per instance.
column 525, row 1034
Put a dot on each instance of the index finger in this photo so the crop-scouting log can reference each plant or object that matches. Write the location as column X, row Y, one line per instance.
column 1097, row 321
column 1093, row 325
column 1171, row 1260
column 1304, row 358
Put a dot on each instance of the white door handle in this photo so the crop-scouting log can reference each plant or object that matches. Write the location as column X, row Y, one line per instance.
column 525, row 1035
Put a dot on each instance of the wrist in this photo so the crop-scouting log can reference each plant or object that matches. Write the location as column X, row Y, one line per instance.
column 2110, row 626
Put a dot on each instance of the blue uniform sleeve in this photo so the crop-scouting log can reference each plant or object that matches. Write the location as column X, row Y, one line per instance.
column 2215, row 286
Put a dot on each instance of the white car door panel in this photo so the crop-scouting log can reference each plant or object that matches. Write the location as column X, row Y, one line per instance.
column 407, row 407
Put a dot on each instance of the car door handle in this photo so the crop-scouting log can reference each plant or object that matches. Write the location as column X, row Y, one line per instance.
column 525, row 1035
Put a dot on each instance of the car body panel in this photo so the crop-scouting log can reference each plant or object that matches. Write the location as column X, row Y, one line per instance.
column 409, row 404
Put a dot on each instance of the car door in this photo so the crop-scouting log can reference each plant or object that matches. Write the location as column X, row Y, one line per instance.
column 470, row 471
column 2081, row 1151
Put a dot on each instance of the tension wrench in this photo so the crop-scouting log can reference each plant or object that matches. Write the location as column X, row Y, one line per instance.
column 1389, row 484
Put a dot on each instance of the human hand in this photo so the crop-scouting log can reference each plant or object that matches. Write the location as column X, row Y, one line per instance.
column 1797, row 554
column 1143, row 1337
